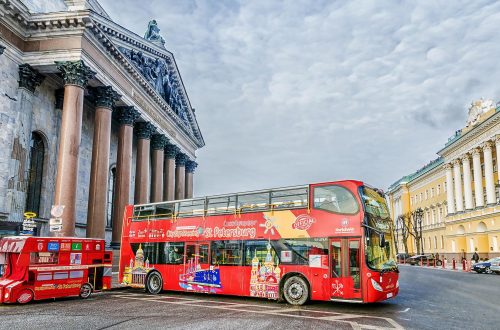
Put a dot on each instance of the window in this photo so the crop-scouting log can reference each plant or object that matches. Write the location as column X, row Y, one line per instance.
column 60, row 275
column 44, row 258
column 76, row 274
column 190, row 208
column 432, row 192
column 174, row 252
column 35, row 173
column 44, row 277
column 335, row 199
column 426, row 194
column 111, row 197
column 227, row 253
column 439, row 189
column 261, row 250
column 300, row 250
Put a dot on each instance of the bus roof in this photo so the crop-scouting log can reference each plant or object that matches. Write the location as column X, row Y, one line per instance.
column 15, row 244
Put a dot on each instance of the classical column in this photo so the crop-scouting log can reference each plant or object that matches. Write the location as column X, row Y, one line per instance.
column 99, row 168
column 190, row 167
column 169, row 172
column 497, row 147
column 180, row 163
column 469, row 205
column 75, row 76
column 478, row 177
column 450, row 200
column 125, row 117
column 459, row 199
column 158, row 143
column 143, row 132
column 488, row 173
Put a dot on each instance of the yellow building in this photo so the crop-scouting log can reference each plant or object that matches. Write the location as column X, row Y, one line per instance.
column 458, row 192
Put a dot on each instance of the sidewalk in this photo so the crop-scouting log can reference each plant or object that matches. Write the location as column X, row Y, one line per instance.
column 448, row 267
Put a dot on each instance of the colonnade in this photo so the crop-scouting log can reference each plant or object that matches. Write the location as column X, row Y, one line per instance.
column 171, row 170
column 464, row 182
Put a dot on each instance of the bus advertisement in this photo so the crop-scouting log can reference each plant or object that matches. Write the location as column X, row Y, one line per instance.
column 34, row 268
column 324, row 241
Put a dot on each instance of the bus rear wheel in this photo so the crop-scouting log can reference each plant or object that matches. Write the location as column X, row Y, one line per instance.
column 25, row 296
column 296, row 290
column 85, row 291
column 154, row 283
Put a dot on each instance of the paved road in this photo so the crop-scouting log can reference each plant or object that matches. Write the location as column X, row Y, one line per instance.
column 429, row 299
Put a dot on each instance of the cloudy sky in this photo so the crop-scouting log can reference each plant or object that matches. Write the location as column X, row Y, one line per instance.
column 293, row 92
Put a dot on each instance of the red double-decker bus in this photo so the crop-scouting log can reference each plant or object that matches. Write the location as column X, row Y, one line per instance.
column 34, row 268
column 324, row 241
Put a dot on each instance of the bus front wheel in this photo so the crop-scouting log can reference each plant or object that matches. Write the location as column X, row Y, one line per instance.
column 154, row 283
column 85, row 291
column 296, row 290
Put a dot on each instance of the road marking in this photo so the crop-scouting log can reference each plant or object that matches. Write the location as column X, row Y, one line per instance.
column 282, row 312
column 406, row 310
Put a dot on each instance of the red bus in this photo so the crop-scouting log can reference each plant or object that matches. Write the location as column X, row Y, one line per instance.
column 33, row 268
column 324, row 241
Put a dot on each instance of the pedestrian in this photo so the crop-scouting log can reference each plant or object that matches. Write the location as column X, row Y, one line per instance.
column 437, row 255
column 475, row 257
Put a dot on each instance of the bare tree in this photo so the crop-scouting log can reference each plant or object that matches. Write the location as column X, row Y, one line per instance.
column 415, row 228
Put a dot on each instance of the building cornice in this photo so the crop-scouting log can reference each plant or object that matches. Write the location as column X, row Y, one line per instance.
column 471, row 139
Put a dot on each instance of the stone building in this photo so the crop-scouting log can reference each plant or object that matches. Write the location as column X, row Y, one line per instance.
column 92, row 117
column 458, row 193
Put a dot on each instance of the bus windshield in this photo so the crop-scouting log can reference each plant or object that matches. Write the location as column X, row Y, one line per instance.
column 379, row 240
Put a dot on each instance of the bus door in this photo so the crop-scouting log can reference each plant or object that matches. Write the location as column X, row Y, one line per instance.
column 345, row 268
column 196, row 266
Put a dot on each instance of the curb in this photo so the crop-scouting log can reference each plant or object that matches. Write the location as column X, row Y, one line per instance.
column 439, row 268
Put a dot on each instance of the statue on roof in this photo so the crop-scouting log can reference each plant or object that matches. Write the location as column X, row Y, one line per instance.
column 477, row 109
column 153, row 33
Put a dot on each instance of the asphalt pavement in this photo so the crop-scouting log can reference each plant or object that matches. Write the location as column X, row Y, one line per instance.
column 428, row 299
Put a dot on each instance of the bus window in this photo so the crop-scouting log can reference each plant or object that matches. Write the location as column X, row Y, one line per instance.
column 37, row 258
column 336, row 259
column 3, row 263
column 260, row 249
column 226, row 253
column 300, row 249
column 203, row 253
column 44, row 277
column 174, row 252
column 335, row 199
column 76, row 274
column 60, row 275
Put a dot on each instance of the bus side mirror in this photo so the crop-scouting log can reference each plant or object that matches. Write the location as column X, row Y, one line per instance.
column 382, row 240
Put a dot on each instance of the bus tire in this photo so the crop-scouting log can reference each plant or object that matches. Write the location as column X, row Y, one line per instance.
column 85, row 291
column 25, row 296
column 154, row 283
column 296, row 290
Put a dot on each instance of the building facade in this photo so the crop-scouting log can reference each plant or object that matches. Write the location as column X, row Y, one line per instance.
column 92, row 117
column 457, row 195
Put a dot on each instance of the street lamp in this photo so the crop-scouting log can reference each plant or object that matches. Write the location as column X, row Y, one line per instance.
column 418, row 216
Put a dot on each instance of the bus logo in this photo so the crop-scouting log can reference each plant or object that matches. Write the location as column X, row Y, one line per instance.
column 303, row 222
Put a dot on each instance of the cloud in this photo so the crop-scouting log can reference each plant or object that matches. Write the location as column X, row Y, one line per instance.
column 297, row 91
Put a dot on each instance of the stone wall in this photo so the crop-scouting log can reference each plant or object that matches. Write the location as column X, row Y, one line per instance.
column 9, row 103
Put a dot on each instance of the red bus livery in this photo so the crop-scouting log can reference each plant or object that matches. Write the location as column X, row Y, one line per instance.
column 33, row 268
column 325, row 241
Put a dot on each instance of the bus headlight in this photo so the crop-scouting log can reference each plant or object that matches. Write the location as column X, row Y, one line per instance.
column 376, row 286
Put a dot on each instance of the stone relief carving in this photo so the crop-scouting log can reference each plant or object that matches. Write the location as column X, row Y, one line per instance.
column 160, row 76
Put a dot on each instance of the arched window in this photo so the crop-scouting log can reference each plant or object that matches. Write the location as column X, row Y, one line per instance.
column 35, row 173
column 111, row 196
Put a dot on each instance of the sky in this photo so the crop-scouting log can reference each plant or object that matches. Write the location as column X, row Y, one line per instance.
column 296, row 92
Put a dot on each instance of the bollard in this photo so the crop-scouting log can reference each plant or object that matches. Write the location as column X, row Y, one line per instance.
column 427, row 262
column 454, row 264
column 444, row 263
column 464, row 263
column 434, row 263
